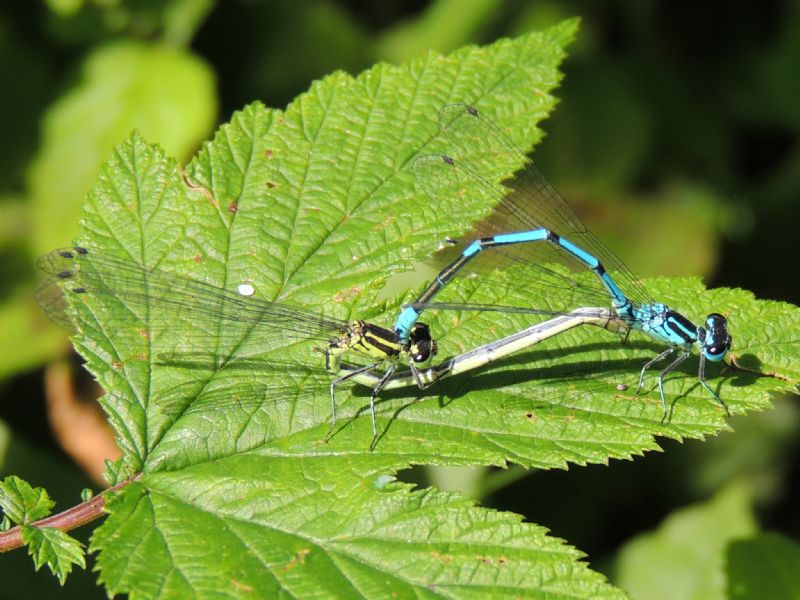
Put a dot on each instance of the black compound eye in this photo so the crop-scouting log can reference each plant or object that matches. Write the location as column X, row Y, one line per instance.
column 716, row 322
column 422, row 351
column 422, row 346
column 420, row 332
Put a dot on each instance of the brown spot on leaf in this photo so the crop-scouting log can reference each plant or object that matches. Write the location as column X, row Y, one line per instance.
column 385, row 223
column 233, row 207
column 298, row 559
column 268, row 153
column 241, row 587
column 196, row 187
column 345, row 295
column 272, row 185
column 445, row 558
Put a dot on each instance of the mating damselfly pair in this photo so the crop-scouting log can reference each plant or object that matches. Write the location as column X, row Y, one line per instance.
column 532, row 228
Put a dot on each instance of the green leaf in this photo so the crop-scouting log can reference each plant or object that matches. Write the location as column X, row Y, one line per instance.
column 352, row 213
column 318, row 207
column 116, row 471
column 260, row 502
column 23, row 503
column 764, row 566
column 328, row 526
column 54, row 548
column 165, row 93
column 684, row 558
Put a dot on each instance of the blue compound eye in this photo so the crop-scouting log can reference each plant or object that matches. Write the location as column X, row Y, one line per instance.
column 716, row 321
column 718, row 340
column 716, row 352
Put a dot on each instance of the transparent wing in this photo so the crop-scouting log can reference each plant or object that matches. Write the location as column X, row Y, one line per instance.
column 234, row 405
column 182, row 312
column 524, row 202
column 250, row 411
column 298, row 384
column 443, row 177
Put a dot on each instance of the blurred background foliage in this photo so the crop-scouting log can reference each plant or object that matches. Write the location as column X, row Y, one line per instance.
column 677, row 138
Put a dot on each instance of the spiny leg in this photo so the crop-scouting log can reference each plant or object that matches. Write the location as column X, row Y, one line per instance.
column 427, row 377
column 342, row 379
column 415, row 372
column 650, row 363
column 702, row 376
column 375, row 391
column 432, row 375
column 670, row 367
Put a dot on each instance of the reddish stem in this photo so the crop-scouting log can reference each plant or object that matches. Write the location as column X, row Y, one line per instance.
column 70, row 519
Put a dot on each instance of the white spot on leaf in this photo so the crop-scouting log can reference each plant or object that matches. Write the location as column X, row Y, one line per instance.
column 245, row 289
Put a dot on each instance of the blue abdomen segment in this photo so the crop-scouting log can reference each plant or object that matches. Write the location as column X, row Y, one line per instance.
column 409, row 315
column 504, row 239
column 405, row 321
column 472, row 249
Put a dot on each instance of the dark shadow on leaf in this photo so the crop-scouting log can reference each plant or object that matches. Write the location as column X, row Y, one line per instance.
column 200, row 360
column 309, row 382
column 747, row 368
column 749, row 361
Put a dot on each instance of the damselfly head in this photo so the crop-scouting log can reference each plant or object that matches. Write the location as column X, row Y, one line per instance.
column 717, row 340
